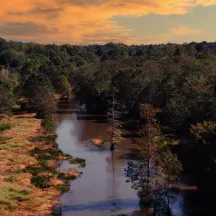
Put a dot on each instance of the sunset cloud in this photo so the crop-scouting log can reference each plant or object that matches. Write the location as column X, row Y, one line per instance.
column 86, row 21
column 184, row 30
column 28, row 28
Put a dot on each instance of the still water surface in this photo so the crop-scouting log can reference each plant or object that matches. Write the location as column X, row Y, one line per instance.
column 102, row 189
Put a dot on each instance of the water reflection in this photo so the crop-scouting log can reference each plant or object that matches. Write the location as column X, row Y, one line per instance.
column 102, row 189
column 101, row 206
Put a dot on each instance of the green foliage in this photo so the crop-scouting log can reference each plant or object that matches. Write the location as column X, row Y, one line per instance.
column 170, row 164
column 42, row 172
column 64, row 87
column 80, row 161
column 154, row 168
column 180, row 78
column 66, row 177
column 40, row 94
column 8, row 88
column 5, row 126
column 47, row 123
column 11, row 195
column 205, row 130
column 62, row 188
column 77, row 160
column 48, row 154
column 41, row 181
column 7, row 99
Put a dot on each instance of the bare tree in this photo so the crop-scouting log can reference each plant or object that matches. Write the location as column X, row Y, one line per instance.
column 114, row 128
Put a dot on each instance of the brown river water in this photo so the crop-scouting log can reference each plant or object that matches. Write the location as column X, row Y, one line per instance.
column 102, row 189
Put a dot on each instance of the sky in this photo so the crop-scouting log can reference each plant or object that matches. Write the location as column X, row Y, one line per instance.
column 104, row 21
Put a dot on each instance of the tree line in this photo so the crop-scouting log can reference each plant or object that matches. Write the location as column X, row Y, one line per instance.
column 179, row 80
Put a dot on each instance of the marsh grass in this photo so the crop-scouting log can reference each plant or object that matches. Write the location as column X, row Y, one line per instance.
column 29, row 157
column 41, row 181
column 80, row 161
column 11, row 195
column 11, row 178
column 5, row 126
column 46, row 154
column 3, row 140
column 47, row 123
column 66, row 177
column 49, row 152
column 62, row 188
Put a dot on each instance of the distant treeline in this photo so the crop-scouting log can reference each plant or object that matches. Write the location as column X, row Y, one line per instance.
column 179, row 79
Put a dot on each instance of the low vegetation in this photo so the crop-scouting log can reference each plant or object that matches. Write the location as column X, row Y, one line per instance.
column 80, row 161
column 5, row 126
column 29, row 157
column 11, row 195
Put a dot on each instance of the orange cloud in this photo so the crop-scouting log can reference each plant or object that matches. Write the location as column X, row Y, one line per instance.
column 84, row 21
column 184, row 30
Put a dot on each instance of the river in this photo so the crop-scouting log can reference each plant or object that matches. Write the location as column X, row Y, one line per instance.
column 102, row 189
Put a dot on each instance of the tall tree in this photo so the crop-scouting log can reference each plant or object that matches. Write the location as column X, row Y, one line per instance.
column 152, row 173
column 7, row 99
column 114, row 128
column 41, row 96
column 64, row 87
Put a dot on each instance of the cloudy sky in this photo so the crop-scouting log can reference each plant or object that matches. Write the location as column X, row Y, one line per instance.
column 103, row 21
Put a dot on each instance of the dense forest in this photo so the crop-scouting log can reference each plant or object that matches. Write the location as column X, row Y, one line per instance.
column 180, row 79
column 171, row 88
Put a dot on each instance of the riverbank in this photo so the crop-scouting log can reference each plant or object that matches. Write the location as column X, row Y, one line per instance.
column 30, row 183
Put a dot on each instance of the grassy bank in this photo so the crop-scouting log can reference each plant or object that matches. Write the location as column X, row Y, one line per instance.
column 29, row 181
